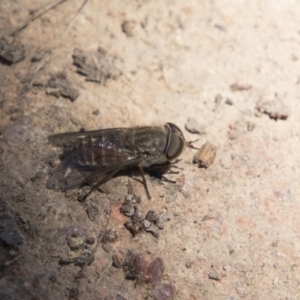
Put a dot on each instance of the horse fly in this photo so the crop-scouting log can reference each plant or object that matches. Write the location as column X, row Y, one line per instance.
column 103, row 153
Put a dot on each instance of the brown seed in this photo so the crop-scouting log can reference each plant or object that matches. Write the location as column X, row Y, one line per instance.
column 205, row 156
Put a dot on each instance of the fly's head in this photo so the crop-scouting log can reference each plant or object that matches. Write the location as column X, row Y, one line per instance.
column 176, row 142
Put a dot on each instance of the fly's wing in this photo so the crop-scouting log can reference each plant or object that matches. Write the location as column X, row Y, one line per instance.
column 71, row 139
column 66, row 177
column 95, row 153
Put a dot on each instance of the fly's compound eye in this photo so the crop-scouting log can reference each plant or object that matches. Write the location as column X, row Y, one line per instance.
column 175, row 146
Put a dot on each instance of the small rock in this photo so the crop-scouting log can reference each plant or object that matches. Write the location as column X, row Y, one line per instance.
column 107, row 248
column 214, row 276
column 19, row 134
column 164, row 291
column 152, row 217
column 134, row 227
column 92, row 212
column 9, row 234
column 163, row 218
column 153, row 229
column 147, row 224
column 218, row 101
column 59, row 85
column 275, row 109
column 38, row 56
column 188, row 264
column 240, row 87
column 128, row 208
column 226, row 162
column 138, row 214
column 228, row 101
column 120, row 297
column 116, row 262
column 110, row 236
column 194, row 127
column 129, row 28
column 75, row 241
column 55, row 92
column 11, row 52
column 73, row 293
column 96, row 112
column 90, row 241
column 155, row 271
column 69, row 92
column 96, row 67
column 250, row 126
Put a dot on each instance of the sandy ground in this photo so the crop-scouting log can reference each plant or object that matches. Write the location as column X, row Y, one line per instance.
column 230, row 231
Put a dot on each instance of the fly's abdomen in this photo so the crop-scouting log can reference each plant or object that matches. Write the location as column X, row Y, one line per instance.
column 100, row 151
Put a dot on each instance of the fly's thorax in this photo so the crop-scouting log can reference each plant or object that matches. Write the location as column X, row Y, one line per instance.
column 151, row 140
column 158, row 145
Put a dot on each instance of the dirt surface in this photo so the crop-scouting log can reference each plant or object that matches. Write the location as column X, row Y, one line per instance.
column 226, row 73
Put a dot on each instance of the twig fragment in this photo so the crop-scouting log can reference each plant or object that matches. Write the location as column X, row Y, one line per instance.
column 33, row 16
column 56, row 45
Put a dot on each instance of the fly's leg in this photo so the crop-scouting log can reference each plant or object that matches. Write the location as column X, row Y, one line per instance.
column 158, row 171
column 170, row 171
column 173, row 166
column 144, row 181
column 163, row 178
column 96, row 186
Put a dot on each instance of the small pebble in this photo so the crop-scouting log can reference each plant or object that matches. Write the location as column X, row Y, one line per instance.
column 194, row 126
